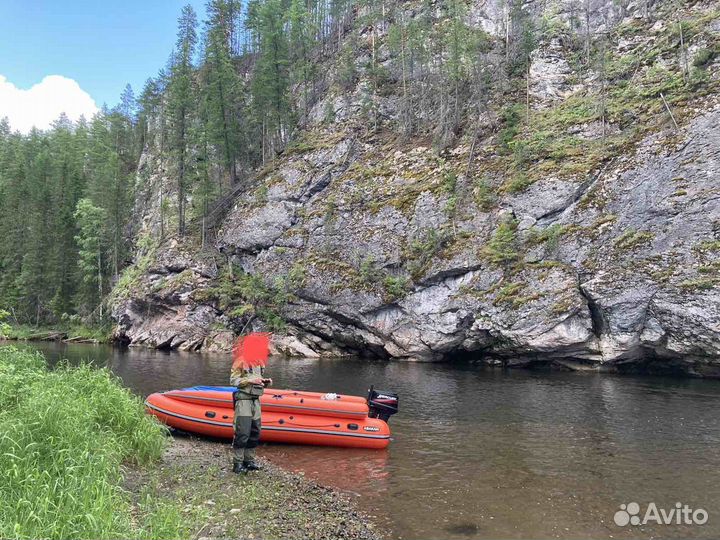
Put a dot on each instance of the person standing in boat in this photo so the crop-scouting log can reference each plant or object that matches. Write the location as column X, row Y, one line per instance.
column 248, row 375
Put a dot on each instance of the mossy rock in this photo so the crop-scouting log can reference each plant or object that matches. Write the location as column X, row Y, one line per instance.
column 631, row 239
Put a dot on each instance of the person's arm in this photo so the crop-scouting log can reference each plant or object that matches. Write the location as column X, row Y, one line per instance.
column 242, row 377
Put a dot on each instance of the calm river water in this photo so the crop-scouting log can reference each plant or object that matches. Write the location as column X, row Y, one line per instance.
column 487, row 453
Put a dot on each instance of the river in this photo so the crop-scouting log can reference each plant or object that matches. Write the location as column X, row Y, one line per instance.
column 489, row 453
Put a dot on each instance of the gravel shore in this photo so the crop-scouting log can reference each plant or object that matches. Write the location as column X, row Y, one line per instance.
column 269, row 504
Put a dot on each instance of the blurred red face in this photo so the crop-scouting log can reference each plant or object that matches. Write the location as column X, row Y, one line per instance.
column 251, row 351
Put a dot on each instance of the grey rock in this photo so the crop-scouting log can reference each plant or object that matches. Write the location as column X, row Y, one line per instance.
column 543, row 198
column 252, row 229
column 549, row 73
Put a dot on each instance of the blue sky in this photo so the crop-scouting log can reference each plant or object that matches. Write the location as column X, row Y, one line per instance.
column 100, row 44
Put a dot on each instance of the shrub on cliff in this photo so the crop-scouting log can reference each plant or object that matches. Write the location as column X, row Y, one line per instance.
column 502, row 249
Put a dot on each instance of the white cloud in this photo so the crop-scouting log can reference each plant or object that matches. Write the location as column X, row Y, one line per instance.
column 44, row 102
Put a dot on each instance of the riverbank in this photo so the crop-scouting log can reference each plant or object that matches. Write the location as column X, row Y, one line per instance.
column 196, row 474
column 80, row 458
column 67, row 334
column 64, row 434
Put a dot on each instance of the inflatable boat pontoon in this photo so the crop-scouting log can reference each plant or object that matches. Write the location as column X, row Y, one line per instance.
column 288, row 416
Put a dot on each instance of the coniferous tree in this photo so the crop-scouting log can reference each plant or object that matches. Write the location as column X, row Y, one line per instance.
column 181, row 103
column 271, row 81
column 148, row 110
column 14, row 206
column 67, row 188
column 300, row 43
column 221, row 86
column 522, row 38
column 398, row 43
column 90, row 220
column 128, row 104
column 34, row 278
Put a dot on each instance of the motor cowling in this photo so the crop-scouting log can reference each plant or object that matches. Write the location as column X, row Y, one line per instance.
column 382, row 403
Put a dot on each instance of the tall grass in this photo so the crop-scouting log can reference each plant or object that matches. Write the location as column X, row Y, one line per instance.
column 63, row 437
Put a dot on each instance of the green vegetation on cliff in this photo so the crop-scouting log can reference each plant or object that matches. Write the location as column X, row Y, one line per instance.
column 244, row 297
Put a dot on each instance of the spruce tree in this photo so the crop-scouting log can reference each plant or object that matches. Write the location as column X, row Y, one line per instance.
column 181, row 103
column 221, row 87
column 271, row 81
column 90, row 220
column 301, row 34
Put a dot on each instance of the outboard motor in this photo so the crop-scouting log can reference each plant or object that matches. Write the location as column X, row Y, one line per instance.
column 382, row 404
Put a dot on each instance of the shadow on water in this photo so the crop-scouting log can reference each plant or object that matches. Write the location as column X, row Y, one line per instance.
column 488, row 453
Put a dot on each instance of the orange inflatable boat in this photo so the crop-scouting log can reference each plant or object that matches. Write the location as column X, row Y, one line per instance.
column 288, row 416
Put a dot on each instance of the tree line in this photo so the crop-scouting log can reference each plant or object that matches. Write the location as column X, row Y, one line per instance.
column 65, row 198
column 221, row 106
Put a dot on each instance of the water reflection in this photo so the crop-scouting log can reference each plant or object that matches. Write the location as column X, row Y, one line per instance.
column 488, row 453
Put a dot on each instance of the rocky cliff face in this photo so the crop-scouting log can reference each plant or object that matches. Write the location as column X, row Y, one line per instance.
column 599, row 250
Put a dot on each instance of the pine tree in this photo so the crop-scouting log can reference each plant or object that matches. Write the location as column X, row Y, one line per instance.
column 271, row 81
column 221, row 86
column 90, row 220
column 300, row 42
column 181, row 103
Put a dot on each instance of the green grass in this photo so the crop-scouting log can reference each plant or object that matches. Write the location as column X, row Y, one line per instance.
column 64, row 435
column 508, row 292
column 517, row 183
column 550, row 235
column 708, row 245
column 699, row 284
